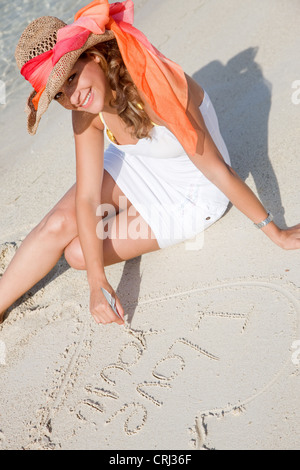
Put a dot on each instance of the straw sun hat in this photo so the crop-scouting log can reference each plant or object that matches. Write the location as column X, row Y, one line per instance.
column 41, row 36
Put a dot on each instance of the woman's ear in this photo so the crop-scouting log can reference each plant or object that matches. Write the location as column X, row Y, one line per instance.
column 95, row 58
column 99, row 60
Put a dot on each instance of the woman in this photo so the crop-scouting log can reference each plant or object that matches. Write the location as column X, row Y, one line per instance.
column 167, row 170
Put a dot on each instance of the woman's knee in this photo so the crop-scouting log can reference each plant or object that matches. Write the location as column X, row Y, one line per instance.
column 59, row 223
column 74, row 256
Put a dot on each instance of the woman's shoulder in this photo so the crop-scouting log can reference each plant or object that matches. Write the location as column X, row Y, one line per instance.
column 83, row 121
column 196, row 95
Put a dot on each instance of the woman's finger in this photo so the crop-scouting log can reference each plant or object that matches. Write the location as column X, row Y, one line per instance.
column 106, row 315
column 119, row 308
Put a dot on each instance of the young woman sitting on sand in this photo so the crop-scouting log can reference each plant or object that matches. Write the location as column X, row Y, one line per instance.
column 166, row 169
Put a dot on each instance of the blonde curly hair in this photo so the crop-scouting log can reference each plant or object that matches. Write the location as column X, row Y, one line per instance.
column 128, row 102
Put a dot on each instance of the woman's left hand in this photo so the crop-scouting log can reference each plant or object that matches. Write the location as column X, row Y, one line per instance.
column 289, row 239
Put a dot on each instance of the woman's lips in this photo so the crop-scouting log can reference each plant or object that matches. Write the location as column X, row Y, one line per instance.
column 88, row 100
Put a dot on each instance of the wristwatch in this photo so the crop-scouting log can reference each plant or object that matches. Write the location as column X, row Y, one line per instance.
column 266, row 221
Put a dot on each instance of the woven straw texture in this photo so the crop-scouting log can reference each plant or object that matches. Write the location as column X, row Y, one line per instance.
column 41, row 36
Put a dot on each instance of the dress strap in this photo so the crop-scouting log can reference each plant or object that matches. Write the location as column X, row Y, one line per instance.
column 102, row 119
column 108, row 131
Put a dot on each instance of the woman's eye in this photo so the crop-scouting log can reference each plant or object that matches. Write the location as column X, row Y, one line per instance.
column 71, row 78
column 58, row 95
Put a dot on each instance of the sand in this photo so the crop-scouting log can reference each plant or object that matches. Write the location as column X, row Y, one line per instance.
column 209, row 357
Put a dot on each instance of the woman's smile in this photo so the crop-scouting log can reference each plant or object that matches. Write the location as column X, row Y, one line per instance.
column 88, row 100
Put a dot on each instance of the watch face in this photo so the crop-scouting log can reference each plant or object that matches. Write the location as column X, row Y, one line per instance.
column 265, row 222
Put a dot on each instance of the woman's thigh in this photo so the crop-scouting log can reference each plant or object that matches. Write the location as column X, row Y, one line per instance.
column 125, row 237
column 111, row 195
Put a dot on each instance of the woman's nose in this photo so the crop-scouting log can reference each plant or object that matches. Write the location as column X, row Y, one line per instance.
column 73, row 95
column 75, row 98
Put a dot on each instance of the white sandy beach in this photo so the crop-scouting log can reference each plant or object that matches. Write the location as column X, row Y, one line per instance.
column 209, row 357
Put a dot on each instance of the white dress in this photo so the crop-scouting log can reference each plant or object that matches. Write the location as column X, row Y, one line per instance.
column 175, row 199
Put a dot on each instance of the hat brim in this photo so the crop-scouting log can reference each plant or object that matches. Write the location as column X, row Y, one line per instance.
column 57, row 78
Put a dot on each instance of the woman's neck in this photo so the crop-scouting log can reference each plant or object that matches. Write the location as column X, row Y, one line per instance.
column 110, row 97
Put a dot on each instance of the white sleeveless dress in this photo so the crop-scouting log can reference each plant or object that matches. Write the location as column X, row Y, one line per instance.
column 175, row 199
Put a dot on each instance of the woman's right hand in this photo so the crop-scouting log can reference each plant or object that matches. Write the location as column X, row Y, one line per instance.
column 100, row 308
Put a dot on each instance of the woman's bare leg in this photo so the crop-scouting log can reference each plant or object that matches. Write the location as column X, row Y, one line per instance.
column 39, row 252
column 43, row 247
column 117, row 249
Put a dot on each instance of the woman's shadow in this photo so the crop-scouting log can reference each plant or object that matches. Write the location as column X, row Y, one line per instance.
column 242, row 99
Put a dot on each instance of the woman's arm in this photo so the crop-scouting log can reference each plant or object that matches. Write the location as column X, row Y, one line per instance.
column 89, row 143
column 213, row 166
column 89, row 146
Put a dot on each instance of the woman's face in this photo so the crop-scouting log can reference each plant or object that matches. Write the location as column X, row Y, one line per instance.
column 86, row 88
